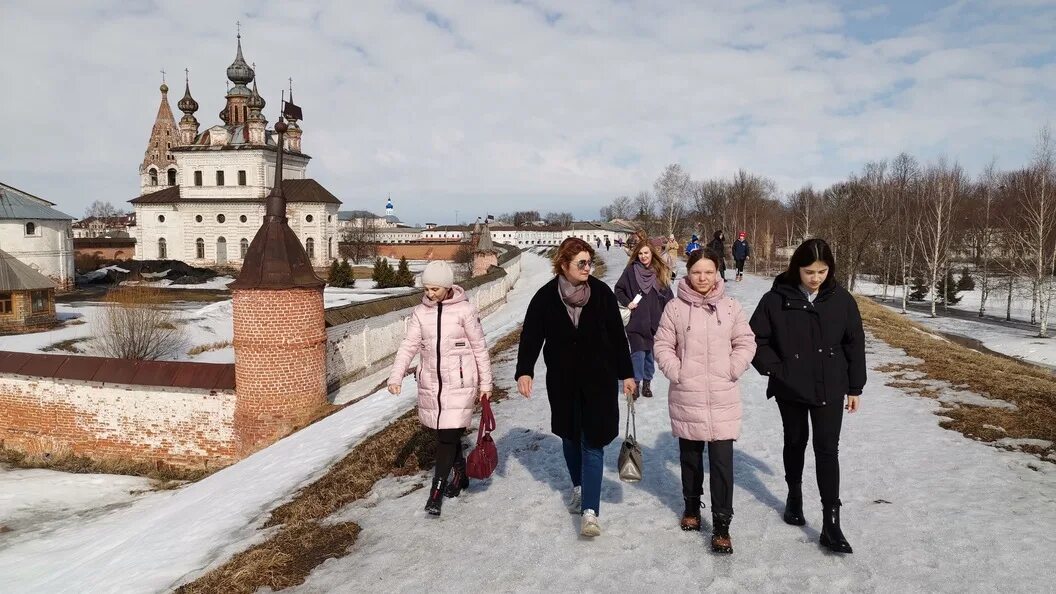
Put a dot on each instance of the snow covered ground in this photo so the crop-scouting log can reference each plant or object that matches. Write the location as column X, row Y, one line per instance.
column 925, row 508
column 1015, row 342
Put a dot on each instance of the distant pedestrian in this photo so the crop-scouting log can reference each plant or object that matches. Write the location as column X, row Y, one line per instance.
column 703, row 346
column 812, row 346
column 575, row 321
column 693, row 245
column 608, row 243
column 718, row 245
column 454, row 372
column 645, row 289
column 597, row 241
column 741, row 253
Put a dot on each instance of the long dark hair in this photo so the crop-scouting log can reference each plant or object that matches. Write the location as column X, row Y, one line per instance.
column 809, row 252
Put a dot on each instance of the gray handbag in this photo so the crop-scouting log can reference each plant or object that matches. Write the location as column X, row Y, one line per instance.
column 629, row 463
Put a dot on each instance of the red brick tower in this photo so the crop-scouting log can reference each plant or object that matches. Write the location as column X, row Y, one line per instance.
column 279, row 328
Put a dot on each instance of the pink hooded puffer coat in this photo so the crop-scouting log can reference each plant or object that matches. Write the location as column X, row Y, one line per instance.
column 703, row 346
column 454, row 366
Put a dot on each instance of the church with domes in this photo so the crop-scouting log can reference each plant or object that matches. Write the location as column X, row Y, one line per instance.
column 202, row 192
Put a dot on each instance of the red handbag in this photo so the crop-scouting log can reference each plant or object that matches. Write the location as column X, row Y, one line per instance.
column 485, row 456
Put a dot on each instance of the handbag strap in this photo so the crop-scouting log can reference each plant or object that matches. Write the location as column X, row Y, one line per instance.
column 487, row 419
column 632, row 421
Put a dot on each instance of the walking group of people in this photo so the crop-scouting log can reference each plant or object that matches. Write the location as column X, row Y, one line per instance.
column 805, row 335
column 741, row 251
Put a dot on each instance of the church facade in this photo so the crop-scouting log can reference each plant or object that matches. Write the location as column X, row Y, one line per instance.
column 202, row 192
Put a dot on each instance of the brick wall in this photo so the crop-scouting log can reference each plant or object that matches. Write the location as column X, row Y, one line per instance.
column 420, row 251
column 185, row 427
column 280, row 362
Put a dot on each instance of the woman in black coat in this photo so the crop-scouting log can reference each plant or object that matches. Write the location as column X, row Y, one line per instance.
column 646, row 275
column 576, row 323
column 718, row 243
column 812, row 346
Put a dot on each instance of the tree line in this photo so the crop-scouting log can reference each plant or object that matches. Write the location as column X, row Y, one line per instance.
column 899, row 221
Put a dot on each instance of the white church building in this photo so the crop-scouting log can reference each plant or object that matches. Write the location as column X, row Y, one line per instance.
column 202, row 193
column 32, row 231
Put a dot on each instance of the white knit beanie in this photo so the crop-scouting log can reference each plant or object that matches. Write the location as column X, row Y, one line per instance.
column 438, row 273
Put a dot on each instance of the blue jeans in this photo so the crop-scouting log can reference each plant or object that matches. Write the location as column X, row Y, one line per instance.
column 585, row 465
column 644, row 365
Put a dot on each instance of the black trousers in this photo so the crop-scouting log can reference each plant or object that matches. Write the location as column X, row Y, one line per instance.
column 827, row 421
column 448, row 451
column 720, row 471
column 740, row 266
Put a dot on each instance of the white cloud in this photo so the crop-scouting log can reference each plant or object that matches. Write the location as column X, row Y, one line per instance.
column 501, row 106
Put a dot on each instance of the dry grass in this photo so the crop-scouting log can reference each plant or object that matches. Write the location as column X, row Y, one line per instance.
column 69, row 345
column 168, row 476
column 1032, row 389
column 212, row 346
column 303, row 539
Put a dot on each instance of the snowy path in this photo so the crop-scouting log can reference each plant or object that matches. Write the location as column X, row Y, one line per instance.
column 159, row 540
column 926, row 510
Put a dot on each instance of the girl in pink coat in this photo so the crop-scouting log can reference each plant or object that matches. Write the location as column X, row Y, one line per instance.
column 703, row 345
column 453, row 373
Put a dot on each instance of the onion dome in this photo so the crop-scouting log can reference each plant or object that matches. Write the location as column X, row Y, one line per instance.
column 239, row 72
column 187, row 105
column 256, row 101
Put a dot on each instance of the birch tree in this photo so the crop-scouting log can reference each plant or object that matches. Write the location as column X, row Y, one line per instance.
column 672, row 188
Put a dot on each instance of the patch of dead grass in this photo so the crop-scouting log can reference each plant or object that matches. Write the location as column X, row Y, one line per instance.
column 212, row 346
column 1032, row 389
column 167, row 476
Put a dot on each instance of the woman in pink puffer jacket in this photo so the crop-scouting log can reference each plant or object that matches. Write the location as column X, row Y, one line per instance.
column 454, row 371
column 703, row 345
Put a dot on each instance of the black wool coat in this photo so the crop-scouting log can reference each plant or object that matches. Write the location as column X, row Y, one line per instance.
column 584, row 365
column 813, row 353
column 645, row 319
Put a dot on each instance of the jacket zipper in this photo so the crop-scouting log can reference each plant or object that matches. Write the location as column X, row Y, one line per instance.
column 461, row 377
column 439, row 376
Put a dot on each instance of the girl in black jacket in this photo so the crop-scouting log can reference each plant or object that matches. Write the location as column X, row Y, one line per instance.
column 812, row 346
column 718, row 243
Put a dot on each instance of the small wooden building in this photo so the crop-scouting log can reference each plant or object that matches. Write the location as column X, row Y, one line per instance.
column 27, row 297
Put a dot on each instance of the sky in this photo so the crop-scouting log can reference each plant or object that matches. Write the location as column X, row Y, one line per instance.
column 471, row 108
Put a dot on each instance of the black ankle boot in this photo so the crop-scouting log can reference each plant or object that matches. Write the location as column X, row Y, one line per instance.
column 436, row 497
column 691, row 517
column 831, row 535
column 794, row 505
column 459, row 480
column 646, row 390
column 720, row 536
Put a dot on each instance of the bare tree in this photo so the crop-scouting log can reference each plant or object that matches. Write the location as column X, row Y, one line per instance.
column 135, row 324
column 672, row 189
column 804, row 204
column 621, row 208
column 101, row 210
column 360, row 240
column 524, row 217
column 1037, row 210
column 560, row 219
column 644, row 209
column 986, row 233
column 939, row 193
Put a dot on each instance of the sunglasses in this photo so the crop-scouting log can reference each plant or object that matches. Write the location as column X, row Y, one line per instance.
column 584, row 264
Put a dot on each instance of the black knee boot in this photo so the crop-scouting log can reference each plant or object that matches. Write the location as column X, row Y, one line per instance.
column 436, row 496
column 794, row 505
column 831, row 535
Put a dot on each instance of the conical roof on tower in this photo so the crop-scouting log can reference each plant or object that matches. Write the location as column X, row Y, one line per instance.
column 163, row 136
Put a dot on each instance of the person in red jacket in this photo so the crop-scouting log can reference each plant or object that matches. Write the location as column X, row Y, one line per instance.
column 454, row 371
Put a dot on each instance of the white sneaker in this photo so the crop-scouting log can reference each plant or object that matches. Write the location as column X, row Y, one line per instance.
column 588, row 526
column 575, row 503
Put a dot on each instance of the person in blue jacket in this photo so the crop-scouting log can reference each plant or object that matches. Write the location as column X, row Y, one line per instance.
column 741, row 252
column 693, row 245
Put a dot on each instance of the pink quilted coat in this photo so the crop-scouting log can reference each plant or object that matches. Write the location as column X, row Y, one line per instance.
column 703, row 346
column 454, row 366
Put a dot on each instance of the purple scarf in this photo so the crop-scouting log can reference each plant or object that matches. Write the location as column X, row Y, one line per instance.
column 573, row 296
column 645, row 276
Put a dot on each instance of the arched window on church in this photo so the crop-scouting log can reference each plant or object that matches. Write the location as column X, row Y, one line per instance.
column 31, row 228
column 153, row 176
column 243, row 247
column 172, row 177
column 162, row 252
column 199, row 248
column 309, row 246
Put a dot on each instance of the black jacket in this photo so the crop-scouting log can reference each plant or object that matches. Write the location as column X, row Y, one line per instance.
column 741, row 250
column 645, row 318
column 583, row 364
column 813, row 353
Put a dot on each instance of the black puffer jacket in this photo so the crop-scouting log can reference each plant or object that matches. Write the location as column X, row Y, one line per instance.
column 813, row 353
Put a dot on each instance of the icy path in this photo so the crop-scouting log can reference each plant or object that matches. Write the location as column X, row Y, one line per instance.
column 925, row 508
column 159, row 540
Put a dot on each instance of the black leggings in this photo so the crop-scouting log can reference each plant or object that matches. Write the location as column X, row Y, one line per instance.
column 740, row 266
column 827, row 421
column 448, row 451
column 720, row 471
